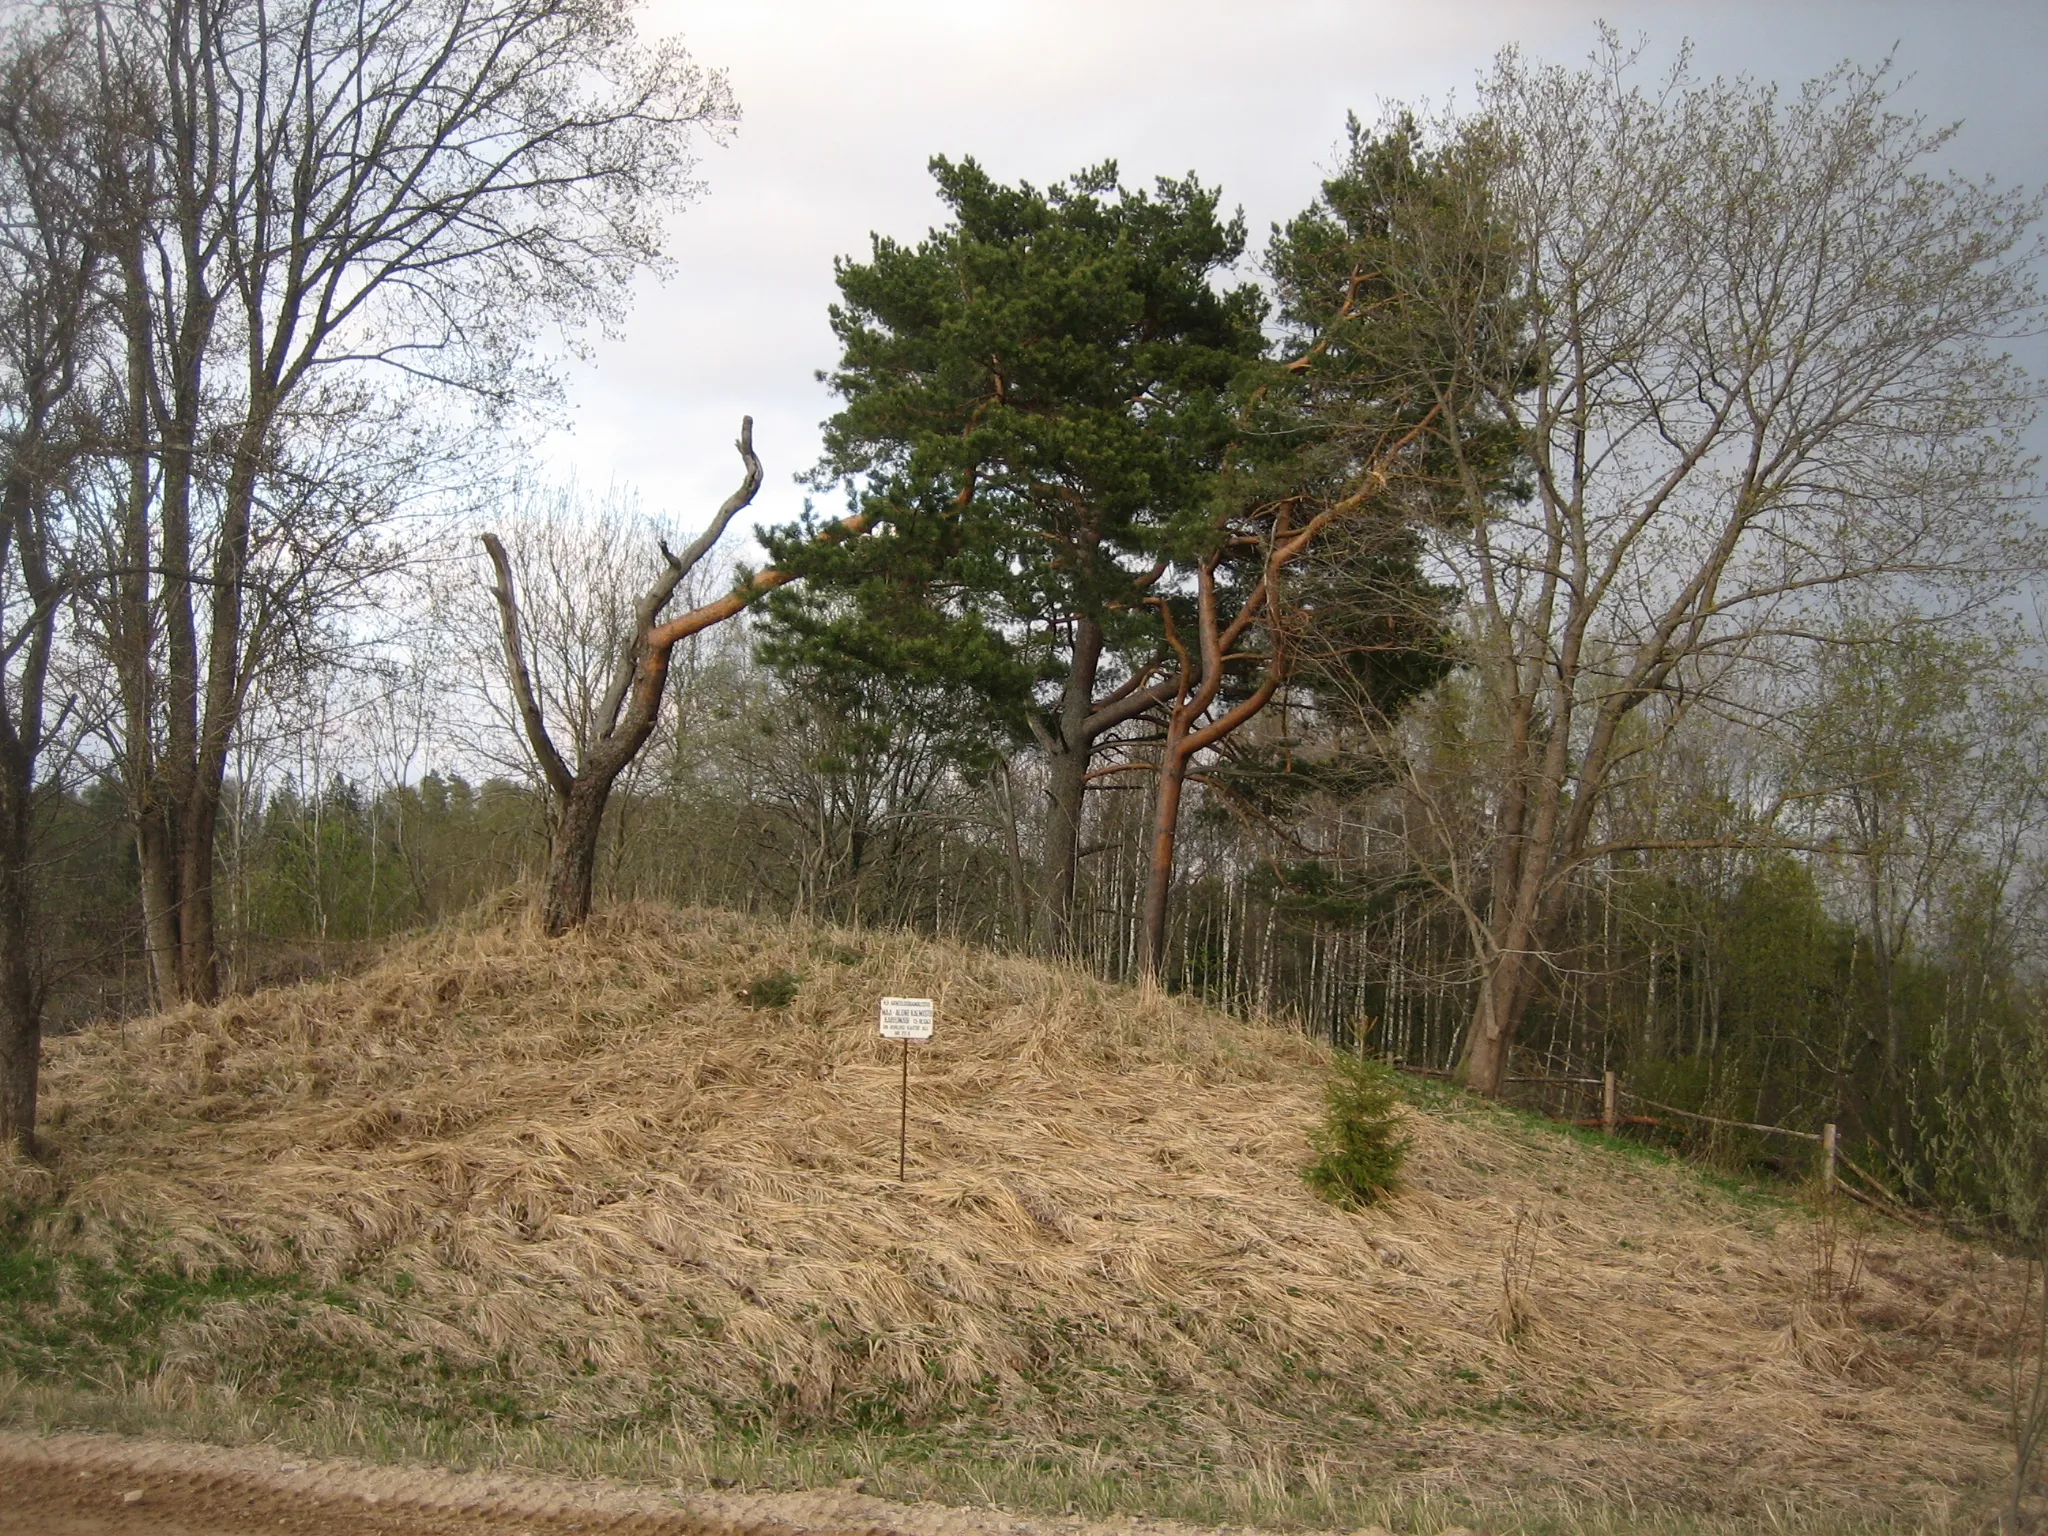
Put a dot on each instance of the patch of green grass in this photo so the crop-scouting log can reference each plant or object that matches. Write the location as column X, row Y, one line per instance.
column 1752, row 1196
column 62, row 1317
column 1435, row 1096
column 72, row 1323
column 1432, row 1095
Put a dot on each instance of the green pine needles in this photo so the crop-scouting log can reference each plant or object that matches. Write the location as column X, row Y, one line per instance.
column 1360, row 1150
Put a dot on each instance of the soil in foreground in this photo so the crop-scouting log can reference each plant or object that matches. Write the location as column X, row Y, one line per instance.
column 83, row 1485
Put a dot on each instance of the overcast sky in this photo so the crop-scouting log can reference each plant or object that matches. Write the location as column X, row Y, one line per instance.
column 845, row 102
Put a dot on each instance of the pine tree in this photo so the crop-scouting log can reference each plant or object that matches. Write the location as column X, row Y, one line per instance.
column 1038, row 397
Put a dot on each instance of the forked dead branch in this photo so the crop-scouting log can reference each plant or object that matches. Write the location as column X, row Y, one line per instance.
column 632, row 703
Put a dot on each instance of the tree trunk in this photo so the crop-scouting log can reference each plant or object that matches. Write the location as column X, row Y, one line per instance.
column 1013, row 851
column 1068, row 747
column 572, row 857
column 1066, row 798
column 30, row 561
column 1504, row 990
column 153, row 853
column 164, row 779
column 21, row 1014
column 1173, row 773
column 633, row 701
column 129, row 632
column 203, row 775
column 198, row 961
column 1508, row 972
column 1194, row 689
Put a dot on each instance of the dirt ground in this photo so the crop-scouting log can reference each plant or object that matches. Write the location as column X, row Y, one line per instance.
column 94, row 1485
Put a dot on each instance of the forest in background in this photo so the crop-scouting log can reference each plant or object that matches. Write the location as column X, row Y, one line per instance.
column 1563, row 605
column 1742, row 982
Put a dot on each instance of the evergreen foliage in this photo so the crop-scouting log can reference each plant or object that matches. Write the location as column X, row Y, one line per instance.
column 1037, row 397
column 1359, row 1146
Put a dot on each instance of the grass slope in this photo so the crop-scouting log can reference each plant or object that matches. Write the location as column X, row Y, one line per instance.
column 504, row 1196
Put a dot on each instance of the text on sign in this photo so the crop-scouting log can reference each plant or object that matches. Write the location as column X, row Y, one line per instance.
column 906, row 1018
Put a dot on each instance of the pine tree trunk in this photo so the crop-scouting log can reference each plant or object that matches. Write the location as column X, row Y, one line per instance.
column 1069, row 752
column 1173, row 769
column 1066, row 794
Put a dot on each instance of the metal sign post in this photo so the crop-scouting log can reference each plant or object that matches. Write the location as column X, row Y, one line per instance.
column 905, row 1019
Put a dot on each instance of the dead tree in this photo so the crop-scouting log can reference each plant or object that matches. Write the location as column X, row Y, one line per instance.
column 626, row 716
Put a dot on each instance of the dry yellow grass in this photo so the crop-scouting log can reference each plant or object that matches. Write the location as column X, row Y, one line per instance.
column 590, row 1165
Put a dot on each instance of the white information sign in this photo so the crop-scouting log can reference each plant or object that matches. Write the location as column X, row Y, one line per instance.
column 906, row 1018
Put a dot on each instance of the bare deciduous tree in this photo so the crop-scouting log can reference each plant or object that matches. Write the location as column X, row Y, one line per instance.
column 330, row 204
column 606, row 741
column 1755, row 359
column 52, row 326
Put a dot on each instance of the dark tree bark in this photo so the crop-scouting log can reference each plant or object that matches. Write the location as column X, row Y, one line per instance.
column 23, row 736
column 49, row 260
column 627, row 715
column 1070, row 744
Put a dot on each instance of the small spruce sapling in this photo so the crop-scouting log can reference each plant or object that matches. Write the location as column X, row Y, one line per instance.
column 1359, row 1146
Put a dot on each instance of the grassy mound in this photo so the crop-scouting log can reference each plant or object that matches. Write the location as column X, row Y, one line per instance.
column 645, row 1177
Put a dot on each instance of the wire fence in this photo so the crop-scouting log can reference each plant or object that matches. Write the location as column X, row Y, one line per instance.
column 1614, row 1098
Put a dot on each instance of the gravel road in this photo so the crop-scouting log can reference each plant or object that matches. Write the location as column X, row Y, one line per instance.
column 96, row 1485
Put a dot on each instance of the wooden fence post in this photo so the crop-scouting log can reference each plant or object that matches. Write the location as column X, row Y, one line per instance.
column 1610, row 1102
column 1827, row 1156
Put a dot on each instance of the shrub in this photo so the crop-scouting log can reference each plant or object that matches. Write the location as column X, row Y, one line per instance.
column 1360, row 1150
column 775, row 990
